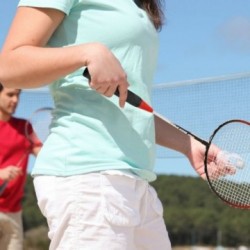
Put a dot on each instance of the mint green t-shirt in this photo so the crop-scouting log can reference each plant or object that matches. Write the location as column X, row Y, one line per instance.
column 91, row 132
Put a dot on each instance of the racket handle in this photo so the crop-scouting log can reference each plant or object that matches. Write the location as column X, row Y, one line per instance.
column 132, row 98
column 3, row 186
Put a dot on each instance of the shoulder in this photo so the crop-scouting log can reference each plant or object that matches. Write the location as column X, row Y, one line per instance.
column 18, row 120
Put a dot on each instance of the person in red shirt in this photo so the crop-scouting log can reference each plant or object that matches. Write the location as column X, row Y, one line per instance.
column 14, row 153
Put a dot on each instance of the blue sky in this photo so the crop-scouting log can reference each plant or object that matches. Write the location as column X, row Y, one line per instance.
column 204, row 38
column 200, row 39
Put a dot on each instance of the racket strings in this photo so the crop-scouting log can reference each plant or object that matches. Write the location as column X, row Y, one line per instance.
column 230, row 178
column 40, row 122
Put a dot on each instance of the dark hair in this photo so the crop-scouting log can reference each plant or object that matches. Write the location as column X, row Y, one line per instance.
column 1, row 87
column 154, row 8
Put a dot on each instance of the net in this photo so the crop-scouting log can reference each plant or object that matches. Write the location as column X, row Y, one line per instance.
column 197, row 105
column 202, row 105
column 33, row 99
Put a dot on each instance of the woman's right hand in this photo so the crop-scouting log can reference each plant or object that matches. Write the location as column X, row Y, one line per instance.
column 106, row 72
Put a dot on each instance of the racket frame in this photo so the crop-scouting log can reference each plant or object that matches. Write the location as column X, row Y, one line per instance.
column 29, row 122
column 206, row 159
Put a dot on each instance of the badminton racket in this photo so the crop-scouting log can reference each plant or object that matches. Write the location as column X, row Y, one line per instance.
column 229, row 177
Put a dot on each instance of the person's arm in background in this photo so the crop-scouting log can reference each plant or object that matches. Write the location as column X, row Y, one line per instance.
column 36, row 144
column 11, row 172
column 25, row 62
column 171, row 137
column 36, row 150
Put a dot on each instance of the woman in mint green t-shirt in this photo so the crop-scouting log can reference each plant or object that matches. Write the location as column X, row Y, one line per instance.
column 92, row 175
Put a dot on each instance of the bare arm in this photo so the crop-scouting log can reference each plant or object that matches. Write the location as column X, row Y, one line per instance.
column 171, row 137
column 25, row 62
column 36, row 150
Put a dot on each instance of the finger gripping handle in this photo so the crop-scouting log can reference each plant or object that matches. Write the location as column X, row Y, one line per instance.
column 132, row 98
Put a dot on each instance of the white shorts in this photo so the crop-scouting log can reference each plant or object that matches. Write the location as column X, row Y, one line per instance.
column 101, row 211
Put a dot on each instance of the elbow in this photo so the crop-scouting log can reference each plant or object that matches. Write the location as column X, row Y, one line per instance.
column 4, row 79
column 7, row 80
column 5, row 83
column 1, row 72
column 8, row 76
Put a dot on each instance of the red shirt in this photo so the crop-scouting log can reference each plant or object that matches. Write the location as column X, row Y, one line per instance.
column 14, row 150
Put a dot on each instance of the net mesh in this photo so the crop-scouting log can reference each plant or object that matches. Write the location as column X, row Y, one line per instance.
column 197, row 105
column 202, row 105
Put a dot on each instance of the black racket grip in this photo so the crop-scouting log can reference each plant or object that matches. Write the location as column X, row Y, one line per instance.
column 132, row 98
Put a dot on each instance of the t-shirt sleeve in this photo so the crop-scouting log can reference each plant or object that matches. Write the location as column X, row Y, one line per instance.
column 62, row 5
